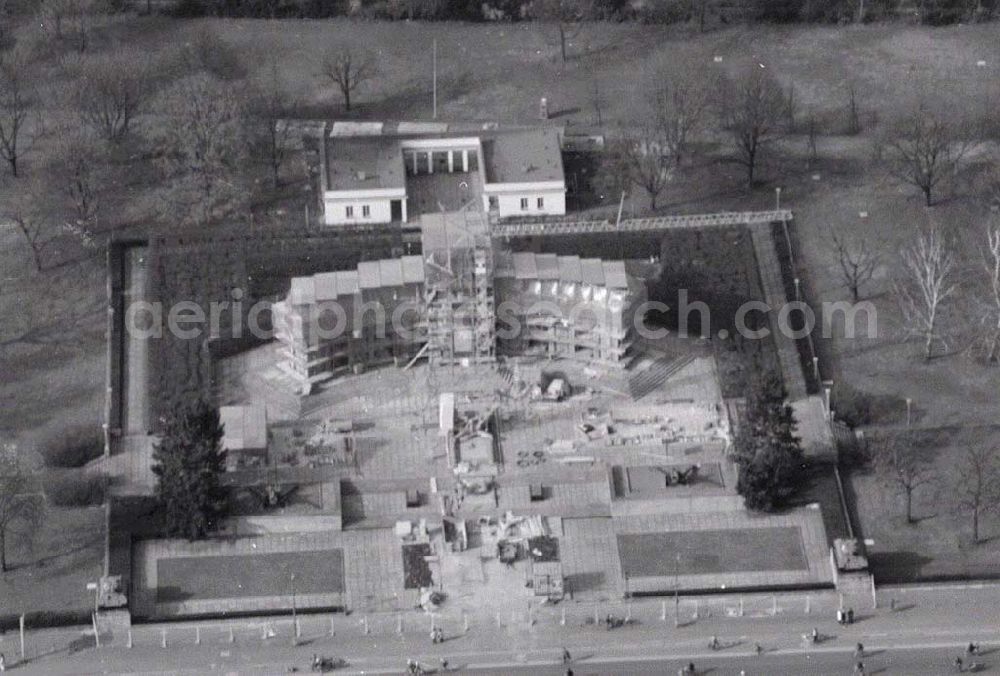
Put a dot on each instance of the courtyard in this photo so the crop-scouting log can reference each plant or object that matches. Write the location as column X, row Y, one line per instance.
column 629, row 468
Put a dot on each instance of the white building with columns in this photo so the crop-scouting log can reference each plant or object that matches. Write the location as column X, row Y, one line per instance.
column 379, row 173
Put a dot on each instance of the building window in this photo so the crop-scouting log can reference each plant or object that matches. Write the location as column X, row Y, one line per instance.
column 541, row 202
column 524, row 204
column 366, row 211
column 350, row 212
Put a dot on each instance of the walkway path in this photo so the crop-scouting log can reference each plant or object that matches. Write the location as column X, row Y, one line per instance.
column 942, row 618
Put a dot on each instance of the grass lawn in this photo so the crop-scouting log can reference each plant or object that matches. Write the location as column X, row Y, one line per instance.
column 200, row 577
column 938, row 544
column 952, row 393
column 51, row 571
column 711, row 551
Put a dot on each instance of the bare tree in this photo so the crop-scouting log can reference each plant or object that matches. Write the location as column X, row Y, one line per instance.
column 701, row 7
column 566, row 15
column 15, row 106
column 111, row 91
column 791, row 108
column 977, row 486
column 923, row 150
column 924, row 285
column 853, row 111
column 647, row 160
column 78, row 173
column 858, row 259
column 597, row 102
column 20, row 510
column 991, row 255
column 205, row 149
column 993, row 180
column 68, row 20
column 53, row 13
column 348, row 69
column 753, row 110
column 812, row 132
column 30, row 215
column 678, row 106
column 900, row 466
column 272, row 105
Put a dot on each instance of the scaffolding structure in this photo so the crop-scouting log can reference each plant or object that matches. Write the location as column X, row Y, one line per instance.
column 458, row 289
column 525, row 227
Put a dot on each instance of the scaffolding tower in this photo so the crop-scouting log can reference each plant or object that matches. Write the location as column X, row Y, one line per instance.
column 458, row 292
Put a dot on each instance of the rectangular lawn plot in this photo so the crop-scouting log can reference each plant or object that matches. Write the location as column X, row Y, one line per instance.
column 712, row 551
column 226, row 577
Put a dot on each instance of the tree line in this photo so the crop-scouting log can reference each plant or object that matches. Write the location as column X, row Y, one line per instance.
column 702, row 13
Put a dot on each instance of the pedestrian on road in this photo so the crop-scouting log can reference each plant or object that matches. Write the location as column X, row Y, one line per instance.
column 566, row 656
column 3, row 662
column 958, row 664
column 714, row 643
column 815, row 635
column 859, row 669
column 859, row 651
column 757, row 648
column 840, row 616
column 850, row 616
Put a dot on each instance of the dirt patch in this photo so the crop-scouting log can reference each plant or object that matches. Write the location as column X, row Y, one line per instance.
column 416, row 570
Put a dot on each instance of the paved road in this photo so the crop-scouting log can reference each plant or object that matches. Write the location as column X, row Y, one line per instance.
column 135, row 366
column 925, row 632
column 909, row 661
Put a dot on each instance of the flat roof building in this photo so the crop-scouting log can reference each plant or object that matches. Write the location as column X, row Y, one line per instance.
column 377, row 173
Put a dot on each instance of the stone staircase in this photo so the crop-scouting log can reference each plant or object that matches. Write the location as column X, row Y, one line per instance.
column 652, row 375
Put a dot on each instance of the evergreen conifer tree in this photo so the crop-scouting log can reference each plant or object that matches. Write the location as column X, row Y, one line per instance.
column 188, row 463
column 767, row 450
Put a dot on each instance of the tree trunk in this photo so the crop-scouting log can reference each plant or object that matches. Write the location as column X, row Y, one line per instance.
column 994, row 354
column 347, row 98
column 928, row 201
column 909, row 505
column 36, row 256
column 562, row 42
column 975, row 526
column 751, row 161
column 3, row 551
column 12, row 161
column 928, row 345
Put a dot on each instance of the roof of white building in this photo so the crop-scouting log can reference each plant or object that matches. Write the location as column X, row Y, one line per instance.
column 593, row 271
column 392, row 272
column 369, row 156
column 527, row 156
column 364, row 163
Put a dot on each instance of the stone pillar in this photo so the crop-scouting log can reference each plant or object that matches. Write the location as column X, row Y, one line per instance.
column 451, row 161
column 430, row 161
column 415, row 170
column 465, row 160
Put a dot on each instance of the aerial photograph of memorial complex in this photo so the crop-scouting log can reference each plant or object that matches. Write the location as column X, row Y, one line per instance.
column 551, row 337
